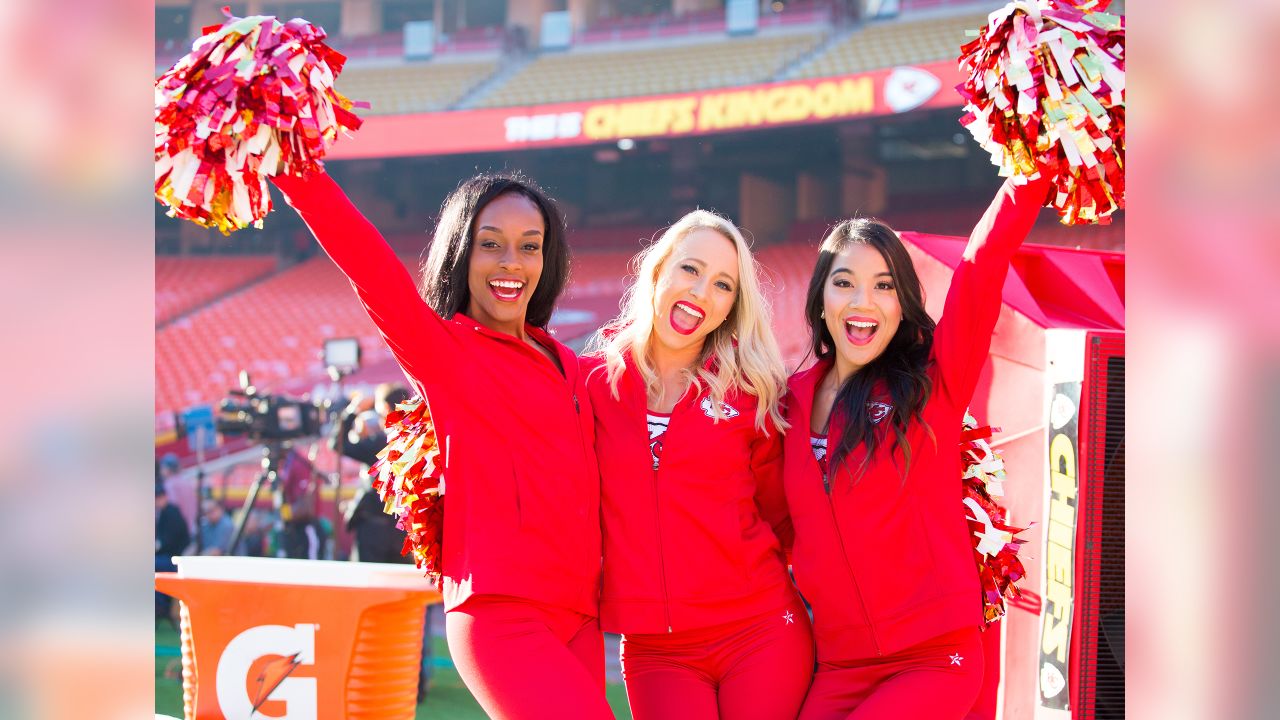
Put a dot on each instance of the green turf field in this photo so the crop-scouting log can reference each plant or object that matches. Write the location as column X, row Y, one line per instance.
column 448, row 698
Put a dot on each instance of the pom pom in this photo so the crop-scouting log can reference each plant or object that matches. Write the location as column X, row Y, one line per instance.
column 995, row 545
column 254, row 98
column 409, row 477
column 1044, row 89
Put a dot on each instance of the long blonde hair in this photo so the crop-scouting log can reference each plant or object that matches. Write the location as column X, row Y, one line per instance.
column 746, row 353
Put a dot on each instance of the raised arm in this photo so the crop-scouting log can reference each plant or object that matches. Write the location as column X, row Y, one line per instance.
column 963, row 337
column 416, row 335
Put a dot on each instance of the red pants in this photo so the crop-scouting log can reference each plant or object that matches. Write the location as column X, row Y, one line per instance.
column 758, row 668
column 938, row 679
column 523, row 660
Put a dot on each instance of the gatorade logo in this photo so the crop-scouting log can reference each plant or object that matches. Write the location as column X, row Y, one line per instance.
column 240, row 696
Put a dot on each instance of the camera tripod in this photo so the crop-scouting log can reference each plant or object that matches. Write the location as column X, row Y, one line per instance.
column 272, row 452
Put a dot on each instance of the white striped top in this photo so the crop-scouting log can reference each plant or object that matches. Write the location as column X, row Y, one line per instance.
column 658, row 424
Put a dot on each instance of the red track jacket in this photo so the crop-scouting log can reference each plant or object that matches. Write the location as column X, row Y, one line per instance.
column 888, row 563
column 689, row 545
column 522, row 516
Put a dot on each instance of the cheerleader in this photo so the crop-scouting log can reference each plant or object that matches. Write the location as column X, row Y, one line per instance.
column 521, row 547
column 685, row 386
column 872, row 474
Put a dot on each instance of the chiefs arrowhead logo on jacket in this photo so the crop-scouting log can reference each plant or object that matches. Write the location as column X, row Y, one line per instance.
column 727, row 410
column 878, row 411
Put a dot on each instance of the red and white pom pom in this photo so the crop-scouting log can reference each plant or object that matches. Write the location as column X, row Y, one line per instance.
column 1045, row 92
column 995, row 543
column 409, row 477
column 254, row 98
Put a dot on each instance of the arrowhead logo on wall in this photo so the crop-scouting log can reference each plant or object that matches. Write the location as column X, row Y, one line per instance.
column 908, row 88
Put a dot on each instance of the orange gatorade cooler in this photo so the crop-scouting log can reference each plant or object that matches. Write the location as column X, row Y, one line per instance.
column 298, row 639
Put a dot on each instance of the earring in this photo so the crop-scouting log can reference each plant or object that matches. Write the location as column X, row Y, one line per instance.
column 823, row 315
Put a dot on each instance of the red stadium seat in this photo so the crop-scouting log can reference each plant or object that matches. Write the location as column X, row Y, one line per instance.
column 275, row 329
column 185, row 283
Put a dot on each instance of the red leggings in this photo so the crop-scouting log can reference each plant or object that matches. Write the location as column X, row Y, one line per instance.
column 523, row 660
column 754, row 669
column 938, row 679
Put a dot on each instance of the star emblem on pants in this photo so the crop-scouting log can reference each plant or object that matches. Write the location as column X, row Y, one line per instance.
column 955, row 659
column 788, row 617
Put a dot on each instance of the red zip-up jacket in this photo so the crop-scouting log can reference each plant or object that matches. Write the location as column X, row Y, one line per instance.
column 522, row 509
column 887, row 563
column 691, row 544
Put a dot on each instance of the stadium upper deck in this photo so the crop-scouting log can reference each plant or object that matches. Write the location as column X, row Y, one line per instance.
column 908, row 163
column 489, row 53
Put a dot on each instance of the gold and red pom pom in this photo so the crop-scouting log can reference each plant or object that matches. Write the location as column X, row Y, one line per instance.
column 1045, row 92
column 409, row 478
column 995, row 542
column 254, row 98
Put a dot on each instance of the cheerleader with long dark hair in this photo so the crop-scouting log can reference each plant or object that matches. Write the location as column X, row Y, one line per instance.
column 521, row 544
column 872, row 472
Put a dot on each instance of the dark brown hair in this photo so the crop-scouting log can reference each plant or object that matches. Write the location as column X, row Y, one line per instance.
column 444, row 273
column 901, row 368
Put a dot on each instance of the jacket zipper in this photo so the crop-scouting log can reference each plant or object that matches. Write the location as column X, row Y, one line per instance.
column 583, row 446
column 657, row 524
column 862, row 603
column 848, row 566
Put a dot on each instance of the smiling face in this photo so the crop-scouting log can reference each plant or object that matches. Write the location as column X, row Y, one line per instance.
column 861, row 303
column 695, row 289
column 506, row 262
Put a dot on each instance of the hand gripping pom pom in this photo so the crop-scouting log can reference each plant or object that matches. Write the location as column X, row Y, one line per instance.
column 254, row 98
column 409, row 477
column 1044, row 91
column 995, row 545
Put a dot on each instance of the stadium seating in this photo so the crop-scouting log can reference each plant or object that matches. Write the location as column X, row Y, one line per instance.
column 712, row 20
column 651, row 26
column 275, row 329
column 472, row 39
column 413, row 87
column 1099, row 237
column 379, row 45
column 786, row 269
column 908, row 6
column 186, row 283
column 898, row 42
column 599, row 274
column 622, row 238
column 668, row 69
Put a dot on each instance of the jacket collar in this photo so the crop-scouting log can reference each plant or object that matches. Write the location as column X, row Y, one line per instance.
column 633, row 389
column 803, row 388
column 804, row 385
column 568, row 360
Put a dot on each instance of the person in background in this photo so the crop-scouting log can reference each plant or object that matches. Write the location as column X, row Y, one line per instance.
column 215, row 528
column 304, row 534
column 360, row 433
column 253, row 543
column 173, row 535
column 167, row 467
